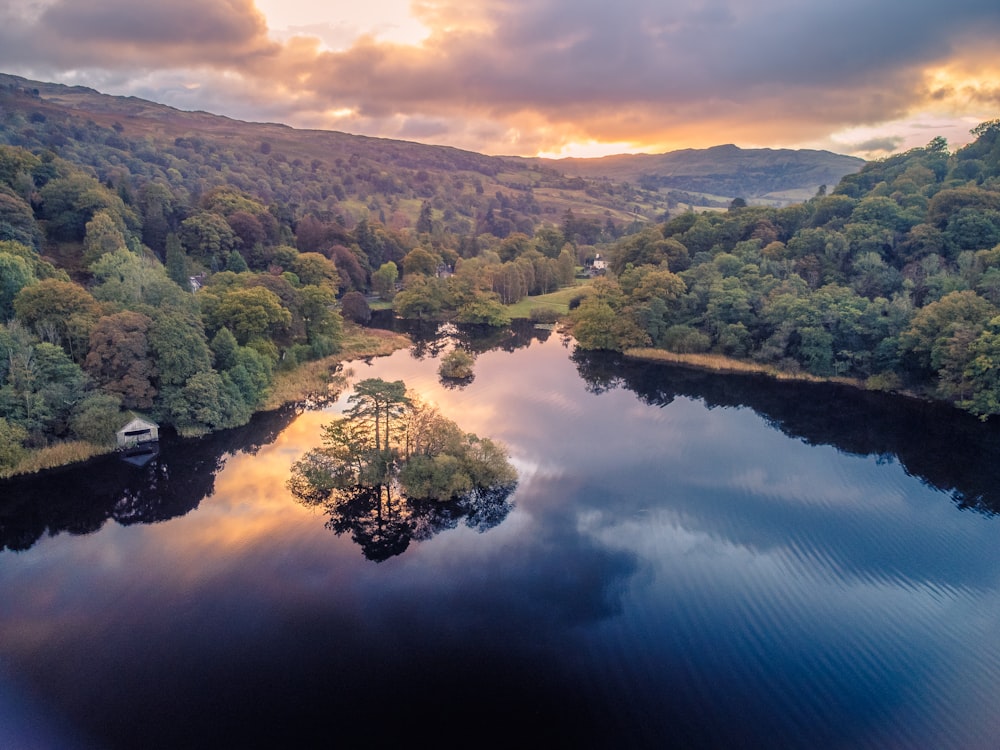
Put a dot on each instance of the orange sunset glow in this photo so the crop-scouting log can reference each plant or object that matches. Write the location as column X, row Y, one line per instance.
column 551, row 78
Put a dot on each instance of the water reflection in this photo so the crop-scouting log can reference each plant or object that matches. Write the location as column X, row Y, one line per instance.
column 431, row 339
column 676, row 576
column 948, row 450
column 383, row 521
column 81, row 499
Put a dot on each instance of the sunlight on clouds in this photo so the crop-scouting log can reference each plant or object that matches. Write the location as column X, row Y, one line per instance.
column 914, row 131
column 959, row 87
column 590, row 150
column 339, row 23
column 449, row 17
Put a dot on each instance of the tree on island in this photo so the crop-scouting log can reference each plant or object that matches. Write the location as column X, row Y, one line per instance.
column 457, row 365
column 394, row 468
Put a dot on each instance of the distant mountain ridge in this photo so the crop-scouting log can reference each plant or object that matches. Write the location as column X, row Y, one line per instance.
column 722, row 170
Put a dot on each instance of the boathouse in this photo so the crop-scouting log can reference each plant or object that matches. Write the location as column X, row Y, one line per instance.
column 138, row 431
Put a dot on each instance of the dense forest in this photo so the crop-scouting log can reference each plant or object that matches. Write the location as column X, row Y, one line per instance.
column 176, row 280
column 174, row 276
column 892, row 278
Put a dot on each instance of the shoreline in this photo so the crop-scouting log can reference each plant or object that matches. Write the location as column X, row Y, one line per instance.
column 724, row 365
column 727, row 365
column 305, row 382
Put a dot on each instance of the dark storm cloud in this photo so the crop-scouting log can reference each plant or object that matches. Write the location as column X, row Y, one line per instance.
column 887, row 144
column 115, row 34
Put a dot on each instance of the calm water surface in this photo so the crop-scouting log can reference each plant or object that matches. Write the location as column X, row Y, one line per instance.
column 688, row 560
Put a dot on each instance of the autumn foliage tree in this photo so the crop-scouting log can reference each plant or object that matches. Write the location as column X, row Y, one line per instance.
column 120, row 358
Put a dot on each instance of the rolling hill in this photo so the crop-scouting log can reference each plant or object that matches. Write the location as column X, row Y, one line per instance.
column 331, row 173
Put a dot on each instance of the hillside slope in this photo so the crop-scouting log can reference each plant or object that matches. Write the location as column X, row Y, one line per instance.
column 358, row 176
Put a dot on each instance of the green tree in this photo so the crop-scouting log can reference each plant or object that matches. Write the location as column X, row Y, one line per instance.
column 425, row 221
column 982, row 372
column 423, row 297
column 12, row 450
column 483, row 309
column 248, row 313
column 176, row 262
column 68, row 203
column 129, row 279
column 598, row 322
column 235, row 262
column 157, row 205
column 198, row 406
column 105, row 233
column 384, row 280
column 43, row 385
column 224, row 347
column 420, row 261
column 378, row 403
column 15, row 274
column 17, row 222
column 926, row 341
column 324, row 325
column 316, row 270
column 62, row 310
column 206, row 236
column 97, row 418
column 180, row 349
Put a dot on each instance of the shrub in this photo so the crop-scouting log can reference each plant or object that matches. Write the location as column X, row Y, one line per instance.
column 544, row 315
column 686, row 340
column 456, row 364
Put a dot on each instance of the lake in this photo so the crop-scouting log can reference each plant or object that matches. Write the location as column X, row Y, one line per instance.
column 688, row 560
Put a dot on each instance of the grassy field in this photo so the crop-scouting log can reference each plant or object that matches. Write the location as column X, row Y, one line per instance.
column 557, row 301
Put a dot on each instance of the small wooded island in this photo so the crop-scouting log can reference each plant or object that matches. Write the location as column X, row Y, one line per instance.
column 393, row 469
column 389, row 436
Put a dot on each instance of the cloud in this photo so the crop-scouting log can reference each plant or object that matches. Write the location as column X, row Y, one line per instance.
column 122, row 34
column 537, row 74
column 887, row 144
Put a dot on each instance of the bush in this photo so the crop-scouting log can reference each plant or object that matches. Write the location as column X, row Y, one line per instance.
column 544, row 315
column 884, row 381
column 12, row 437
column 97, row 418
column 686, row 340
column 456, row 364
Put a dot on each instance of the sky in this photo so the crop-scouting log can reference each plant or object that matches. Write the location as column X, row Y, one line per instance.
column 540, row 77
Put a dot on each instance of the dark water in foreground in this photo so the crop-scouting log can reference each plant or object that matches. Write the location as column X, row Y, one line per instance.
column 688, row 560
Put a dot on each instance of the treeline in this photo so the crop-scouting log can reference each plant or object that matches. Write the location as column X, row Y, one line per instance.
column 893, row 278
